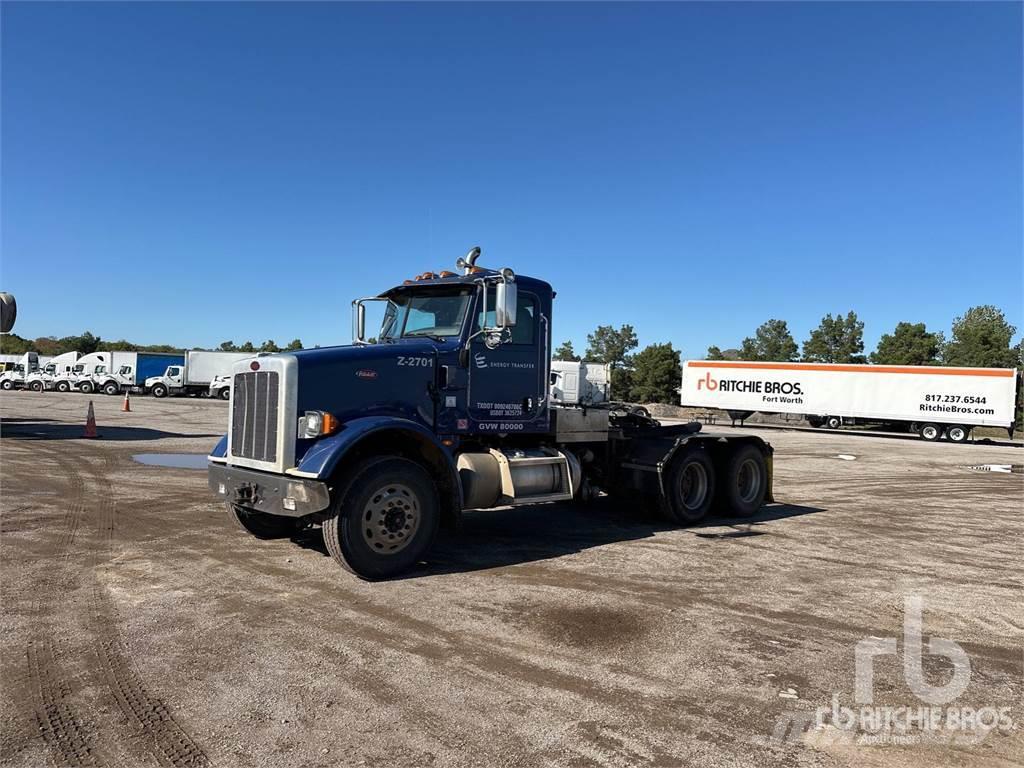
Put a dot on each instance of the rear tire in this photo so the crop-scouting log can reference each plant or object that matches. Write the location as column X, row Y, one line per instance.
column 260, row 524
column 384, row 519
column 110, row 388
column 159, row 390
column 690, row 487
column 957, row 433
column 745, row 482
column 930, row 432
column 63, row 386
column 36, row 386
column 86, row 387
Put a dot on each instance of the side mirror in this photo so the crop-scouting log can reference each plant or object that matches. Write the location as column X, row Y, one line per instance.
column 360, row 322
column 505, row 309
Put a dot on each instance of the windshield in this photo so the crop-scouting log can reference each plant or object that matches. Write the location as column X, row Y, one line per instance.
column 100, row 369
column 78, row 369
column 434, row 314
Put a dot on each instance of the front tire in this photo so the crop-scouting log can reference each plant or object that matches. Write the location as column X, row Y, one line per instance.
column 110, row 388
column 260, row 524
column 85, row 387
column 7, row 385
column 159, row 390
column 63, row 386
column 36, row 386
column 690, row 487
column 384, row 519
column 225, row 394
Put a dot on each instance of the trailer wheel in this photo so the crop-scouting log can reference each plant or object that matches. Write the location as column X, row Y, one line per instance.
column 745, row 482
column 36, row 386
column 690, row 487
column 930, row 432
column 159, row 390
column 384, row 520
column 86, row 387
column 833, row 422
column 110, row 388
column 260, row 524
column 815, row 421
column 956, row 433
column 63, row 386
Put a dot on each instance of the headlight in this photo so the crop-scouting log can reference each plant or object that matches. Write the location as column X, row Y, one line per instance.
column 313, row 424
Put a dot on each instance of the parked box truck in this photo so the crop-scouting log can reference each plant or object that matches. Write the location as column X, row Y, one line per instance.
column 131, row 369
column 932, row 401
column 580, row 382
column 195, row 374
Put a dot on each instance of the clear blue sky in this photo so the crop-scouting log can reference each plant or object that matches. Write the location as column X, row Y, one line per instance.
column 190, row 173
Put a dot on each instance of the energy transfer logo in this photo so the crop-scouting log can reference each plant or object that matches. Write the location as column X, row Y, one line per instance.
column 865, row 724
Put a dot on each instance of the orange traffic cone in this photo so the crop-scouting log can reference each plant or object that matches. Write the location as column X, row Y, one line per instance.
column 127, row 406
column 90, row 423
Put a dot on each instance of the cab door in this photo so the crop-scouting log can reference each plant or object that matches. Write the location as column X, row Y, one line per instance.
column 507, row 384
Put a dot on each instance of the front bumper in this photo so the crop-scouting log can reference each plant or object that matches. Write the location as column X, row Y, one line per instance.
column 269, row 493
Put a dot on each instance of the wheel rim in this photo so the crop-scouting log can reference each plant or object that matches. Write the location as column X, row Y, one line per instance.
column 929, row 433
column 390, row 519
column 748, row 480
column 956, row 434
column 693, row 485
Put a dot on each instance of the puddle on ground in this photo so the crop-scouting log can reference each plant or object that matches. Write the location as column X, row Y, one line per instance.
column 173, row 460
column 1004, row 468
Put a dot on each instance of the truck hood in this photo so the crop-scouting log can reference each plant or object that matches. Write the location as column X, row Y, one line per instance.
column 377, row 379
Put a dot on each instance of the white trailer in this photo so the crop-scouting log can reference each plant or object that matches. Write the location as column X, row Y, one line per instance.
column 929, row 400
column 196, row 374
column 580, row 383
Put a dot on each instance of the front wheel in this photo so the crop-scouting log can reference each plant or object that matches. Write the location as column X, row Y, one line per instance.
column 384, row 519
column 159, row 390
column 260, row 524
column 110, row 388
column 36, row 386
column 225, row 394
column 690, row 487
column 7, row 384
column 63, row 386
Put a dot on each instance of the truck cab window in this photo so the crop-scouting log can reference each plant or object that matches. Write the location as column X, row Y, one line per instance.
column 434, row 313
column 525, row 328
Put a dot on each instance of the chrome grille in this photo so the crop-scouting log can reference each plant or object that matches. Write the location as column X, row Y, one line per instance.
column 254, row 415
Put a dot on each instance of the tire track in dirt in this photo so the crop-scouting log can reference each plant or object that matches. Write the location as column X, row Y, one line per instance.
column 65, row 731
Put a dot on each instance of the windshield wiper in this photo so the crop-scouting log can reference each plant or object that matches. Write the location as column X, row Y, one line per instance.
column 431, row 336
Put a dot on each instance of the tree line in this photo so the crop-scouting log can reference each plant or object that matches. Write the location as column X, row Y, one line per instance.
column 87, row 343
column 981, row 338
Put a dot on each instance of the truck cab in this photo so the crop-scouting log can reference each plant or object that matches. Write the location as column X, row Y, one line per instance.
column 445, row 408
column 17, row 376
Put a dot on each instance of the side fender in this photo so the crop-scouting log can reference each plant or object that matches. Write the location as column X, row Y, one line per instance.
column 220, row 450
column 384, row 434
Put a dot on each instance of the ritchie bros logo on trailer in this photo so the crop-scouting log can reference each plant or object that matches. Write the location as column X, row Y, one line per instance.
column 753, row 386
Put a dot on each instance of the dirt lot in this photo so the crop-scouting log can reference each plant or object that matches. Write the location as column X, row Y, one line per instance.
column 141, row 629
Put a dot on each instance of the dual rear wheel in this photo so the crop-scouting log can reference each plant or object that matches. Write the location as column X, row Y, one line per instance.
column 692, row 486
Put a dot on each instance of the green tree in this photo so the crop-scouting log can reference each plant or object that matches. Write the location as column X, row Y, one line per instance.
column 715, row 353
column 84, row 345
column 656, row 374
column 247, row 347
column 836, row 340
column 908, row 344
column 294, row 345
column 981, row 338
column 227, row 346
column 13, row 344
column 607, row 345
column 269, row 346
column 772, row 342
column 566, row 352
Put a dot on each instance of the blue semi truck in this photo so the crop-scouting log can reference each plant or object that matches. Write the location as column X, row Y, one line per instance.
column 448, row 409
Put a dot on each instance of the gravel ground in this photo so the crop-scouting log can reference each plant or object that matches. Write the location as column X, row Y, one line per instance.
column 142, row 629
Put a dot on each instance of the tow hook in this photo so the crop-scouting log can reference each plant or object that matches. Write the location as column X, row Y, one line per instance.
column 246, row 495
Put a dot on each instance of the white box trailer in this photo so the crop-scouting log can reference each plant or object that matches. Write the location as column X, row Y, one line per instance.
column 930, row 400
column 196, row 374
